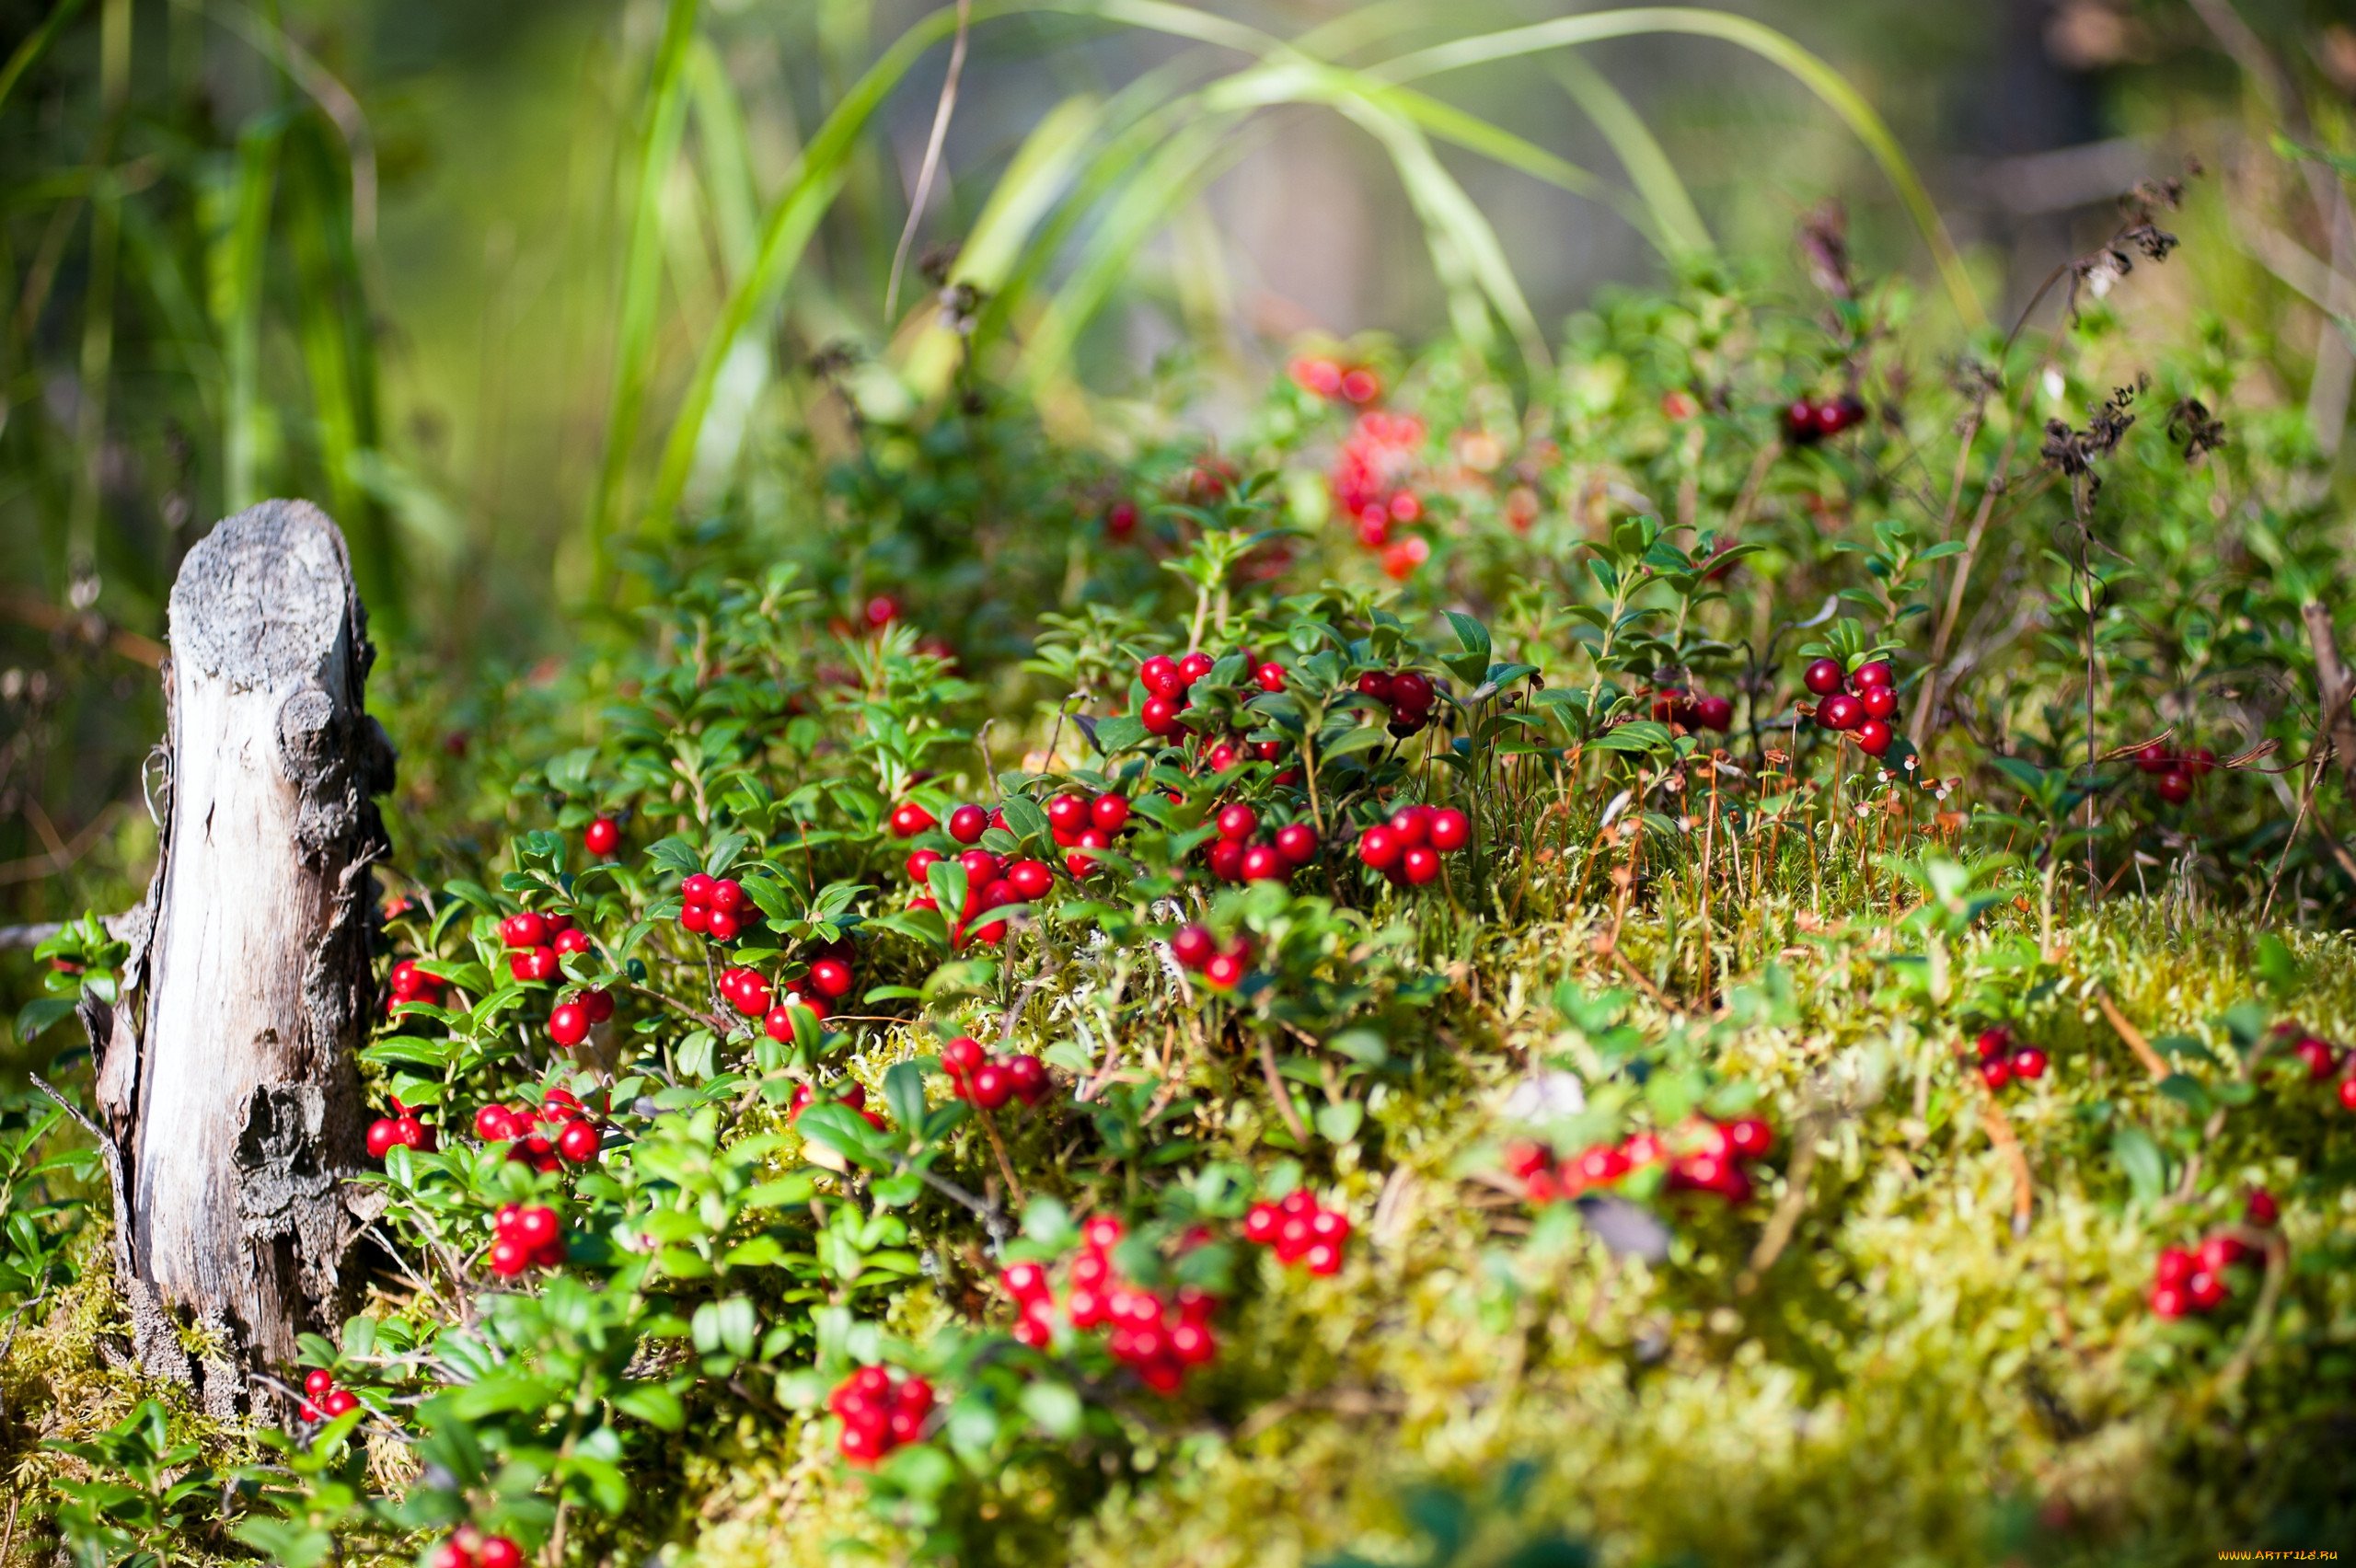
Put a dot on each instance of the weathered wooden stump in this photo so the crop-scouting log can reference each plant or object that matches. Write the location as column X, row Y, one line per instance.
column 226, row 1072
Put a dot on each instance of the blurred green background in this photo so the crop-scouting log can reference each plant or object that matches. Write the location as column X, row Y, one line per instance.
column 454, row 270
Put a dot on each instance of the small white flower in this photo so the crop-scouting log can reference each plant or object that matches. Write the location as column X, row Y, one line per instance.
column 1543, row 1096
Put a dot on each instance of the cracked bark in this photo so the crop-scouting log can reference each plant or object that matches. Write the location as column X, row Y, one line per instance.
column 227, row 1082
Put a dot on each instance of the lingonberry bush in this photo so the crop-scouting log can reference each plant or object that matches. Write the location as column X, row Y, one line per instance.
column 1697, row 936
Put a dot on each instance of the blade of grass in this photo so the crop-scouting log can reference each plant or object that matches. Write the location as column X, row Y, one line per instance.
column 642, row 283
column 1019, row 200
column 1812, row 72
column 331, row 326
column 1633, row 142
column 237, row 254
column 36, row 43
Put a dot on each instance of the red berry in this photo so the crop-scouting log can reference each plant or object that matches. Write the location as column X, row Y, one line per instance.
column 498, row 1552
column 1879, row 702
column 1029, row 1076
column 1270, row 677
column 524, row 930
column 697, row 917
column 1411, row 695
column 411, row 1132
column 1419, row 866
column 1160, row 677
column 1375, row 683
column 494, row 1124
column 1842, row 712
column 568, row 1023
column 570, row 941
column 2261, row 1210
column 1109, row 812
column 509, row 1258
column 2221, row 1253
column 2175, row 1265
column 695, row 888
column 1238, row 822
column 1824, row 678
column 1226, row 859
column 2205, row 1290
column 1996, row 1074
column 1380, row 847
column 1263, row 863
column 908, row 819
column 2199, row 762
column 1194, row 666
column 1160, row 715
column 962, row 1055
column 1876, row 673
column 382, row 1138
column 2170, row 1302
column 2154, row 758
column 317, row 1381
column 340, row 1401
column 1068, row 812
column 536, row 1227
column 1193, row 946
column 831, row 977
column 1449, row 830
column 967, row 824
column 1412, row 826
column 1713, row 713
column 1221, row 757
column 579, row 1142
column 1296, row 842
column 2319, row 1057
column 1874, row 737
column 720, row 925
column 602, row 838
column 2175, row 788
column 2029, row 1062
column 1802, row 423
column 993, row 1086
column 1750, row 1138
column 1224, row 972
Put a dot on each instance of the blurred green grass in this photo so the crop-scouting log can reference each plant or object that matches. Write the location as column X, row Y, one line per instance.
column 456, row 271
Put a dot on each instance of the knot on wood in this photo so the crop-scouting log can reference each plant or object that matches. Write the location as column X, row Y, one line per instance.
column 285, row 1191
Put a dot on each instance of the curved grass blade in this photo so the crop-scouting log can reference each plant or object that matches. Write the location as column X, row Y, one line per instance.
column 1639, row 152
column 641, row 282
column 1814, row 73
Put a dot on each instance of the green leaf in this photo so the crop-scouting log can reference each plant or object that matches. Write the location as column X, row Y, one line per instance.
column 653, row 1404
column 2140, row 1159
column 1055, row 1406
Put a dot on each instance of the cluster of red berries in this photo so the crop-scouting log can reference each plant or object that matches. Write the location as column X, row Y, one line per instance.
column 1372, row 483
column 1322, row 376
column 1161, row 1338
column 536, row 942
column 400, row 1130
column 472, row 1548
column 323, row 1400
column 411, row 983
column 1169, row 685
column 1692, row 709
column 879, row 1413
column 1234, row 856
column 711, row 907
column 576, row 1141
column 2001, row 1060
column 854, row 1096
column 1409, row 696
column 1709, row 1157
column 2323, row 1060
column 829, row 980
column 602, row 838
column 525, row 1235
column 988, row 1081
column 1199, row 952
column 991, row 884
column 1304, row 1233
column 1808, row 420
column 1865, row 712
column 569, row 1022
column 2174, row 774
column 1407, row 847
column 2196, row 1279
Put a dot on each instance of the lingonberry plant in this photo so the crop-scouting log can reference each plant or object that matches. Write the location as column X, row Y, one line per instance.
column 1069, row 1040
